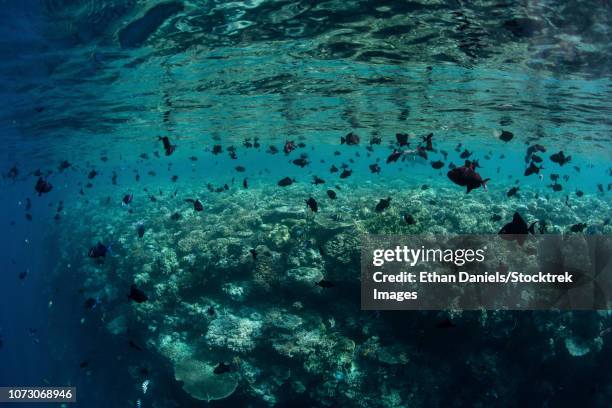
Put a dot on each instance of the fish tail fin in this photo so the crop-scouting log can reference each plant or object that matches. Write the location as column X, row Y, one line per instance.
column 484, row 183
column 531, row 227
column 342, row 140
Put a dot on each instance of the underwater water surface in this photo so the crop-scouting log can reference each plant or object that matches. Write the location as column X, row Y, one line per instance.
column 162, row 162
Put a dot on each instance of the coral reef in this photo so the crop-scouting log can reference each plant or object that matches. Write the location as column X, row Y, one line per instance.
column 213, row 300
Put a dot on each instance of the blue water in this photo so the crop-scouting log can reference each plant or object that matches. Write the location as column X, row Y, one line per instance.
column 96, row 84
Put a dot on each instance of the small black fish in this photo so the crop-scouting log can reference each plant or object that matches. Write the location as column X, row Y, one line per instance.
column 175, row 216
column 135, row 346
column 312, row 204
column 409, row 219
column 350, row 139
column 301, row 162
column 333, row 169
column 531, row 150
column 506, row 136
column 396, row 154
column 428, row 142
column 375, row 168
column 532, row 169
column 240, row 169
column 402, row 139
column 437, row 164
column 90, row 303
column 467, row 176
column 28, row 216
column 518, row 228
column 375, row 140
column 65, row 164
column 465, row 154
column 42, row 186
column 92, row 174
column 512, row 191
column 579, row 193
column 245, row 183
column 98, row 251
column 140, row 230
column 168, row 147
column 536, row 159
column 84, row 363
column 383, row 204
column 317, row 180
column 137, row 295
column 421, row 152
column 284, row 182
column 127, row 198
column 331, row 194
column 289, row 146
column 600, row 188
column 578, row 227
column 22, row 275
column 324, row 283
column 556, row 187
column 560, row 158
column 197, row 205
column 345, row 173
column 217, row 149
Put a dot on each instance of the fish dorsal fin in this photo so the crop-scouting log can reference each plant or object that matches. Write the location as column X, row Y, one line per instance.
column 517, row 219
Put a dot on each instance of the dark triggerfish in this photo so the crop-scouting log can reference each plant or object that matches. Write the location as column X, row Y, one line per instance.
column 468, row 177
column 518, row 229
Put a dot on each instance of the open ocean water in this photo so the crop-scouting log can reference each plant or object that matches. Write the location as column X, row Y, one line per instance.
column 162, row 162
